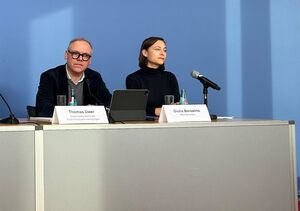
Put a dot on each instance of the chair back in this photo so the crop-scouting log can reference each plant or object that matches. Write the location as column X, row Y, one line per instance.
column 31, row 111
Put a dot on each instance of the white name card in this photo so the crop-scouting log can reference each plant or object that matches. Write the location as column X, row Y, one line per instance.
column 79, row 114
column 184, row 113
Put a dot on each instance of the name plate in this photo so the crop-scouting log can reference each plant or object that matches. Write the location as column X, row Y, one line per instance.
column 184, row 113
column 79, row 114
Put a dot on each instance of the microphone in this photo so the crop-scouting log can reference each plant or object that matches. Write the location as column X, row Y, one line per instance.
column 205, row 81
column 11, row 119
column 99, row 102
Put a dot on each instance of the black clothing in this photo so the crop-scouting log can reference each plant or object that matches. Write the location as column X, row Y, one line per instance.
column 159, row 83
column 55, row 82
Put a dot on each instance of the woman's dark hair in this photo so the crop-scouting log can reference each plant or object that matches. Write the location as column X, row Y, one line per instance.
column 147, row 43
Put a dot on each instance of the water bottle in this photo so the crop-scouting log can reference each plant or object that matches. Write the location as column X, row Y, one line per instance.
column 183, row 98
column 72, row 99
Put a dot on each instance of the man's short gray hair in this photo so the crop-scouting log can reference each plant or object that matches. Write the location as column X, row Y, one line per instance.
column 80, row 39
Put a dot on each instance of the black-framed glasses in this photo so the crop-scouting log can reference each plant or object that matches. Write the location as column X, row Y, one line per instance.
column 76, row 55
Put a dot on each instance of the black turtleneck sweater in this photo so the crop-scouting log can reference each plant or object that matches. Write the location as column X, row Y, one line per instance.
column 159, row 83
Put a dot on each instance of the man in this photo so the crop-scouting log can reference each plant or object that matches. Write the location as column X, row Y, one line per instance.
column 75, row 75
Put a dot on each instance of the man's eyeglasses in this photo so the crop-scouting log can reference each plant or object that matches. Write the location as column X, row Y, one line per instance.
column 76, row 55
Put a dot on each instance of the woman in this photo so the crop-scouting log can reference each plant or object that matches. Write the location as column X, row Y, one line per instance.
column 152, row 75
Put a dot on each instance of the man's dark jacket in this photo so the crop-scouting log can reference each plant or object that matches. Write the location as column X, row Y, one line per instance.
column 55, row 82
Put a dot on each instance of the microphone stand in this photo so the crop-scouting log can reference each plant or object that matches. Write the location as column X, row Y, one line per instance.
column 205, row 96
column 205, row 92
column 11, row 119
